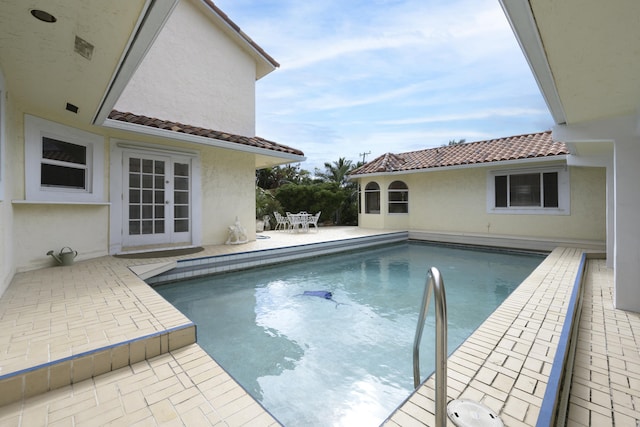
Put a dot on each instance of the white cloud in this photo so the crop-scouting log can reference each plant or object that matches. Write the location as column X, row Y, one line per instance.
column 475, row 115
column 387, row 75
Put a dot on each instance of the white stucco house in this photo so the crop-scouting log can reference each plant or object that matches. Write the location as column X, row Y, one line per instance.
column 585, row 58
column 518, row 192
column 125, row 125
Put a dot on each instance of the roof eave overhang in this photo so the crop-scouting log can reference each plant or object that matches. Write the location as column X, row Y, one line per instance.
column 523, row 24
column 265, row 64
column 196, row 139
column 517, row 162
column 147, row 29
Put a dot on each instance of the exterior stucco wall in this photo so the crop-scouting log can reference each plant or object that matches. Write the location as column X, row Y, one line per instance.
column 455, row 201
column 194, row 74
column 39, row 228
column 228, row 190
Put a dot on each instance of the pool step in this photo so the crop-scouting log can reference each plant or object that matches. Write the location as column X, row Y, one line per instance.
column 48, row 376
column 191, row 268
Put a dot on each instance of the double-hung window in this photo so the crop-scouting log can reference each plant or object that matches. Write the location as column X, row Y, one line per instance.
column 529, row 191
column 398, row 197
column 372, row 198
column 63, row 164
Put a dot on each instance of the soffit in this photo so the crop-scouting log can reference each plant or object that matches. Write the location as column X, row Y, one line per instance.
column 593, row 50
column 38, row 60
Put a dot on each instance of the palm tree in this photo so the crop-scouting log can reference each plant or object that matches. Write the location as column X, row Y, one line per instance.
column 336, row 172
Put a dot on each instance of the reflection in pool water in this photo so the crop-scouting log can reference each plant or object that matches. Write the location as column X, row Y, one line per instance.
column 313, row 362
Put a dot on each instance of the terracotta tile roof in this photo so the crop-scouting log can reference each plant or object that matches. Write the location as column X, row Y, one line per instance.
column 198, row 131
column 494, row 150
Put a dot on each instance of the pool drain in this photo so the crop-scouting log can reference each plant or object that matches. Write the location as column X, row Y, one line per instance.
column 467, row 413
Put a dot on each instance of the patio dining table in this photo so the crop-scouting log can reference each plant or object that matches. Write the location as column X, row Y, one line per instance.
column 299, row 221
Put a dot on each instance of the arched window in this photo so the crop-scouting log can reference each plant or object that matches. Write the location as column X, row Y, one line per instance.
column 372, row 198
column 398, row 197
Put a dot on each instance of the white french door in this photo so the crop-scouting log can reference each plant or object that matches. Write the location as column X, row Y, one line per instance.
column 156, row 199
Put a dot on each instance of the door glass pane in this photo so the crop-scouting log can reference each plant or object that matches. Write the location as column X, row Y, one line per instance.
column 147, row 166
column 146, row 196
column 134, row 180
column 134, row 165
column 181, row 183
column 181, row 198
column 147, row 211
column 147, row 227
column 159, row 167
column 181, row 226
column 134, row 212
column 181, row 212
column 159, row 184
column 159, row 197
column 134, row 227
column 181, row 169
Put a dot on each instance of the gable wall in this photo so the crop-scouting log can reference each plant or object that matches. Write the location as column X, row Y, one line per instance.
column 454, row 201
column 194, row 74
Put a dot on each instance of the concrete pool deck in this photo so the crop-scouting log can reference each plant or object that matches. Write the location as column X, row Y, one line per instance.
column 92, row 343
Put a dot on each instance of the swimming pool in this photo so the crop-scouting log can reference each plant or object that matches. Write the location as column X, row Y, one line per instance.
column 314, row 361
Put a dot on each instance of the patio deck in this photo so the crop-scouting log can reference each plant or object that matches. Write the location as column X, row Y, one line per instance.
column 94, row 342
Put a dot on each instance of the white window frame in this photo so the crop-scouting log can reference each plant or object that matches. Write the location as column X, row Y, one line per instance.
column 367, row 208
column 35, row 129
column 398, row 203
column 564, row 193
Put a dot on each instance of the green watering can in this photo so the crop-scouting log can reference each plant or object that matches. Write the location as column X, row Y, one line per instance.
column 65, row 257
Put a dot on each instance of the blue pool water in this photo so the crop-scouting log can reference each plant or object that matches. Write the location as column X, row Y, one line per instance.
column 313, row 362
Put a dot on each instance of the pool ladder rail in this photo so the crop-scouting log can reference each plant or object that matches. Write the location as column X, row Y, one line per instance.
column 462, row 412
column 434, row 281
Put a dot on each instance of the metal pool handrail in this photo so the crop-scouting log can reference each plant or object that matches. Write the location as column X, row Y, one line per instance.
column 434, row 280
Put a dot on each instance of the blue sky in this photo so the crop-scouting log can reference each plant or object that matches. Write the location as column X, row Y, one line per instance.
column 380, row 76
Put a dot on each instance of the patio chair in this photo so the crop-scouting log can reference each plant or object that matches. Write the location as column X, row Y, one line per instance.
column 281, row 222
column 293, row 221
column 314, row 220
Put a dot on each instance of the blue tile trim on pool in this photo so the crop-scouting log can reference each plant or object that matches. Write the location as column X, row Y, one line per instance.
column 96, row 350
column 550, row 402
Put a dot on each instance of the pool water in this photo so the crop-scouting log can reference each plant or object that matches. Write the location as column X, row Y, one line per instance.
column 346, row 361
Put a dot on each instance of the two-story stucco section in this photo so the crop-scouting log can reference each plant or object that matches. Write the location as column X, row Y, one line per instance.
column 147, row 143
column 218, row 93
column 452, row 195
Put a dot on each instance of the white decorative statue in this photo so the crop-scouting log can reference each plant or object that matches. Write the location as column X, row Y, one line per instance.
column 237, row 234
